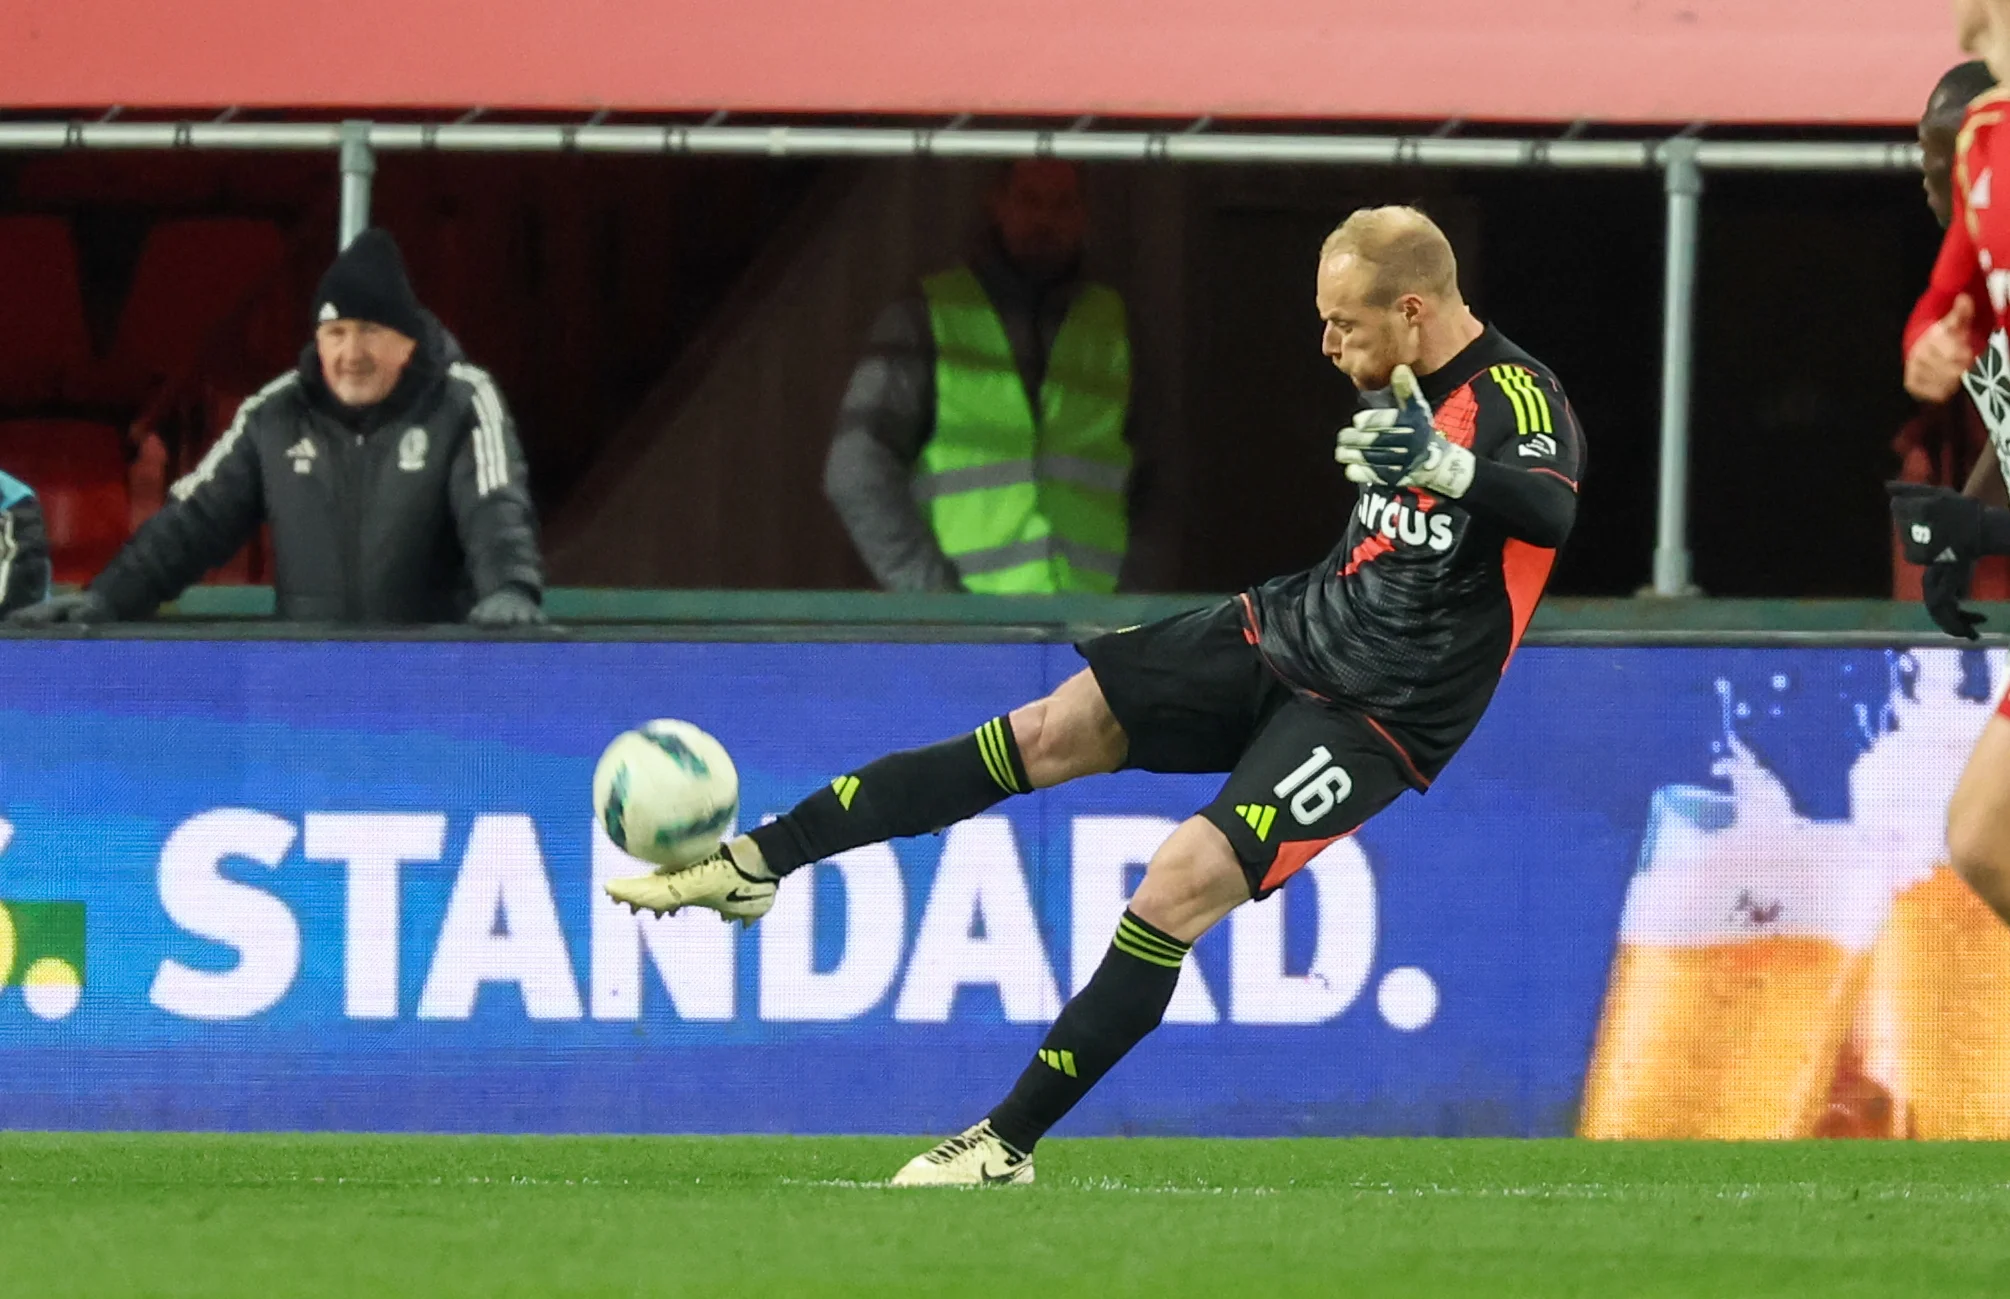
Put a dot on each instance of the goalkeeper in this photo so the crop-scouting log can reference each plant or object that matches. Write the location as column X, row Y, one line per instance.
column 1324, row 695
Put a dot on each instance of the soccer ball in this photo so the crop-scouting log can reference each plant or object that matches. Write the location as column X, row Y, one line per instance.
column 666, row 792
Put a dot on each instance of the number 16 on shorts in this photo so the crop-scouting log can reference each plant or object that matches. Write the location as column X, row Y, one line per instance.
column 1317, row 787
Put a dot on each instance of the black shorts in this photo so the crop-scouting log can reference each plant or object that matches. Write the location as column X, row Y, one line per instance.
column 1193, row 695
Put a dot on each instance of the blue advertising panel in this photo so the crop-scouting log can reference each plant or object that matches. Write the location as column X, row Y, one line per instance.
column 288, row 885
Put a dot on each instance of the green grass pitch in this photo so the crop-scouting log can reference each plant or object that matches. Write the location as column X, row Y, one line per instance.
column 265, row 1216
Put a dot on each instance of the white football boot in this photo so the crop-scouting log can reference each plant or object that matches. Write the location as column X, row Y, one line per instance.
column 737, row 886
column 976, row 1157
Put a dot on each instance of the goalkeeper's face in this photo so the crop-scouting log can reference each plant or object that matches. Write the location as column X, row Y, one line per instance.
column 1365, row 339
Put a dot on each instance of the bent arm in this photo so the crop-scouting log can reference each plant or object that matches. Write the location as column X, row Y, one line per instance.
column 490, row 494
column 1956, row 271
column 886, row 417
column 1528, row 484
column 1533, row 505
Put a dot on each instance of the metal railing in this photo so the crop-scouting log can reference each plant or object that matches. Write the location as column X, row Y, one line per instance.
column 1682, row 160
column 586, row 615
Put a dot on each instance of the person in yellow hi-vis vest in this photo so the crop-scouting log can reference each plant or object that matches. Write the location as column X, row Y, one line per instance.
column 983, row 443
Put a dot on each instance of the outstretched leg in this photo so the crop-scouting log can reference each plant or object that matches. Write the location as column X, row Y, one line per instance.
column 1068, row 734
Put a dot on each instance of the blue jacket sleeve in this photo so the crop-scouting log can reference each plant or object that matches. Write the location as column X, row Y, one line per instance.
column 24, row 548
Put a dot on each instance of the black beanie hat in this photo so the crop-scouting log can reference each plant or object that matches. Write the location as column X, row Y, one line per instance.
column 367, row 282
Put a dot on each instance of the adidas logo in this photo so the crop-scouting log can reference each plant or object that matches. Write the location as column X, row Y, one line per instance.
column 302, row 453
column 1059, row 1061
column 846, row 788
column 1260, row 817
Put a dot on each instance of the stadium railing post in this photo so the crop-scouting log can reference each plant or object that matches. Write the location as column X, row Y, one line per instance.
column 1682, row 181
column 359, row 166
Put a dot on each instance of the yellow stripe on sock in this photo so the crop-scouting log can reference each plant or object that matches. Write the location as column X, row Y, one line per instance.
column 990, row 757
column 1003, row 759
column 997, row 757
column 1147, row 947
column 1005, row 756
column 1130, row 947
column 1172, row 947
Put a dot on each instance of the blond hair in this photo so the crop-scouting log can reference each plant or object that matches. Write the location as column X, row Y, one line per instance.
column 1405, row 248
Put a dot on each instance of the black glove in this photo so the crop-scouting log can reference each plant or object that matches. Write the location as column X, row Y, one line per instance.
column 508, row 606
column 83, row 607
column 1936, row 525
column 1942, row 586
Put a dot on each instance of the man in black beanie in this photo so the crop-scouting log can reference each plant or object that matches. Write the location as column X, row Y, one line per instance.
column 386, row 465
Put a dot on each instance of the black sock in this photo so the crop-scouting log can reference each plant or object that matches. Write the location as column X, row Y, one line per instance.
column 1126, row 999
column 918, row 791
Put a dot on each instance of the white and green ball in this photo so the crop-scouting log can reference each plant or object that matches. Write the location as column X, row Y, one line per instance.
column 666, row 792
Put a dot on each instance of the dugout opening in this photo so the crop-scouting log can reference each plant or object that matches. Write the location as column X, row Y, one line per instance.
column 672, row 333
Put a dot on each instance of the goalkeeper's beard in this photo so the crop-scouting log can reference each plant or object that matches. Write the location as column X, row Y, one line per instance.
column 1398, row 344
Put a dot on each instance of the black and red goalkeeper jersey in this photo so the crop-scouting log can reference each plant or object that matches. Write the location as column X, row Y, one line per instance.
column 1412, row 618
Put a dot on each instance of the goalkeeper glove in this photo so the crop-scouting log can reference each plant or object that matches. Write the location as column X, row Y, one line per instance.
column 1945, row 531
column 83, row 607
column 1403, row 447
column 1936, row 525
column 1941, row 587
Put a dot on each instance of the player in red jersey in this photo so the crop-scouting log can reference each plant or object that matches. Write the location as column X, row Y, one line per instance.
column 1967, row 298
column 1957, row 443
column 1323, row 695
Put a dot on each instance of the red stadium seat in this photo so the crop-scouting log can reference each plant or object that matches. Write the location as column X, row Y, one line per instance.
column 43, row 337
column 78, row 470
column 193, row 277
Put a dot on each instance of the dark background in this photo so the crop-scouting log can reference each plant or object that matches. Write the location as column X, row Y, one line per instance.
column 580, row 282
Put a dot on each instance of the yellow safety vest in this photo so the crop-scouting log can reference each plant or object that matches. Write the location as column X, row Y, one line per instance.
column 1025, row 503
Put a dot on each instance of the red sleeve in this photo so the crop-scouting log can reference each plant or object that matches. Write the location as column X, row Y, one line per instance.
column 1957, row 271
